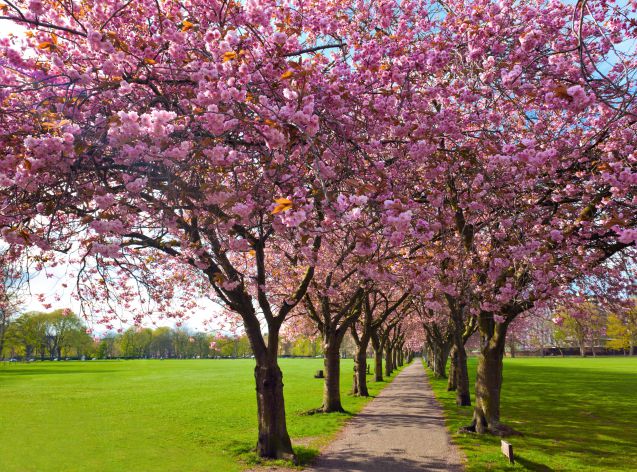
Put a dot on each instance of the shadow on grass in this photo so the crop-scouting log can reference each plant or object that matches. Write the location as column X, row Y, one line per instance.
column 574, row 416
column 534, row 466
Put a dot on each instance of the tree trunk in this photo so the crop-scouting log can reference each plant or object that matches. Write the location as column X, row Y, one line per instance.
column 632, row 348
column 378, row 358
column 332, row 388
column 463, row 395
column 360, row 359
column 388, row 360
column 426, row 354
column 360, row 372
column 486, row 415
column 378, row 365
column 440, row 353
column 488, row 387
column 360, row 356
column 582, row 350
column 452, row 383
column 274, row 441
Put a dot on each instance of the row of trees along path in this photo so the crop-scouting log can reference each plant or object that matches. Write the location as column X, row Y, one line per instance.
column 323, row 168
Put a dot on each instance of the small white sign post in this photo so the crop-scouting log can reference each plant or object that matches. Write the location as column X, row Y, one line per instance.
column 507, row 450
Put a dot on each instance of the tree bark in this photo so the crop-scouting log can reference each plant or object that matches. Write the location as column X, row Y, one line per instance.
column 378, row 358
column 360, row 357
column 388, row 360
column 426, row 354
column 463, row 395
column 360, row 372
column 332, row 364
column 488, row 387
column 486, row 415
column 441, row 354
column 274, row 440
column 378, row 364
column 360, row 365
column 632, row 348
column 452, row 384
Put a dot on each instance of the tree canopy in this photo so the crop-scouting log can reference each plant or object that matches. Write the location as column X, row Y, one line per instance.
column 290, row 160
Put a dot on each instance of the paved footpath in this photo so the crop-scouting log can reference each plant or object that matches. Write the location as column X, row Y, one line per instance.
column 401, row 430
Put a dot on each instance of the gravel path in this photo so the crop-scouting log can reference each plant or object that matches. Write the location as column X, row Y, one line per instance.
column 401, row 430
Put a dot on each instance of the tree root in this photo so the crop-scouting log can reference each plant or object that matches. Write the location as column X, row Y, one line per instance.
column 500, row 430
column 320, row 410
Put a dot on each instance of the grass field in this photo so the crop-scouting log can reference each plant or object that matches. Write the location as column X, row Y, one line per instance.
column 575, row 415
column 150, row 415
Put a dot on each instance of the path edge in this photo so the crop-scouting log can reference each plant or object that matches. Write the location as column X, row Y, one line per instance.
column 450, row 433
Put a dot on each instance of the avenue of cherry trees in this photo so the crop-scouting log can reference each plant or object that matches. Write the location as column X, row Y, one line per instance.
column 391, row 170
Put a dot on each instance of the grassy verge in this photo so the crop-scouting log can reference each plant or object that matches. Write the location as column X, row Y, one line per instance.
column 575, row 415
column 149, row 415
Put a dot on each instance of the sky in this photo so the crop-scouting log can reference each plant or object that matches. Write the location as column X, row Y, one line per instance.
column 52, row 285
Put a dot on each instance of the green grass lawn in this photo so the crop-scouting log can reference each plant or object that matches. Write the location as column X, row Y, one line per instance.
column 150, row 415
column 575, row 415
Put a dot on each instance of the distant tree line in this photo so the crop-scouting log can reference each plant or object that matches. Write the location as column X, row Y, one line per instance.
column 170, row 343
column 37, row 335
column 61, row 334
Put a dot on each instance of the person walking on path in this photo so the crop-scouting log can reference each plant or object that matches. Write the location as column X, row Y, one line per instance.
column 401, row 430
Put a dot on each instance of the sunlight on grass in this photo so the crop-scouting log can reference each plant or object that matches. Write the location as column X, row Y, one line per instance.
column 575, row 415
column 190, row 415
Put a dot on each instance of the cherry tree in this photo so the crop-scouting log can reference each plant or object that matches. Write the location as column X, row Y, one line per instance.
column 188, row 148
column 177, row 149
column 333, row 303
column 378, row 307
column 529, row 175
